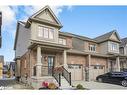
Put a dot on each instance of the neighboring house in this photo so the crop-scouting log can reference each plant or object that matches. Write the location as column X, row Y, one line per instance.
column 1, row 66
column 0, row 29
column 123, row 51
column 40, row 47
column 5, row 71
column 12, row 69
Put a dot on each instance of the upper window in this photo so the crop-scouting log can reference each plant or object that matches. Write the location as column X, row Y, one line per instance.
column 92, row 47
column 62, row 41
column 114, row 46
column 45, row 32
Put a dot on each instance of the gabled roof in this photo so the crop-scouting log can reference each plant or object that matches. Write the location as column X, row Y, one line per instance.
column 33, row 17
column 124, row 42
column 76, row 36
column 106, row 37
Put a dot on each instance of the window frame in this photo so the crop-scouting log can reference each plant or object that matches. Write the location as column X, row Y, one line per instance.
column 62, row 41
column 46, row 32
column 92, row 47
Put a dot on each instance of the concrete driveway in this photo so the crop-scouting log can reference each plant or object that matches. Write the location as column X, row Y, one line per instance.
column 96, row 85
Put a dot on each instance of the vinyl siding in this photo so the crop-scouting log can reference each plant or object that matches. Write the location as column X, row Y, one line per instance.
column 22, row 41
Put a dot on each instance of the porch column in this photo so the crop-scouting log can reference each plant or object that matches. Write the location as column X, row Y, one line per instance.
column 65, row 59
column 89, row 67
column 117, row 64
column 108, row 69
column 38, row 65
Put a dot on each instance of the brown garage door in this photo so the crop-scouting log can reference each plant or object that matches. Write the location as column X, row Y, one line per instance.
column 76, row 71
column 97, row 70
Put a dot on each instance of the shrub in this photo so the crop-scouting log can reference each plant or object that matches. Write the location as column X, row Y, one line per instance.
column 52, row 86
column 79, row 86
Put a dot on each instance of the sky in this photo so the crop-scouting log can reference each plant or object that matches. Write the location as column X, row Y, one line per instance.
column 89, row 21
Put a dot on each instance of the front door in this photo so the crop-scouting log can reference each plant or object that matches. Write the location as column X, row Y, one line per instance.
column 50, row 64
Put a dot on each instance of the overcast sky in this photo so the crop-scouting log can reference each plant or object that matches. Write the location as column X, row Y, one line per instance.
column 90, row 21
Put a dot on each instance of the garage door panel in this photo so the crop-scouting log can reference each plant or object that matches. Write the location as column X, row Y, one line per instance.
column 96, row 71
column 76, row 72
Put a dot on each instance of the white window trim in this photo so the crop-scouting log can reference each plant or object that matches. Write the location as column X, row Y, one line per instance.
column 46, row 32
column 91, row 48
column 62, row 41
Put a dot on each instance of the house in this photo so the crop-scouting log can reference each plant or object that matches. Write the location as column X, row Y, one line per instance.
column 0, row 28
column 5, row 71
column 123, row 51
column 1, row 66
column 41, row 48
column 12, row 69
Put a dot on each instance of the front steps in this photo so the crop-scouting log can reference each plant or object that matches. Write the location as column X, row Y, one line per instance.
column 64, row 84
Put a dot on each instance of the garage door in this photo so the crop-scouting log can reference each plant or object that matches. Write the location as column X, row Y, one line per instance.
column 76, row 71
column 97, row 70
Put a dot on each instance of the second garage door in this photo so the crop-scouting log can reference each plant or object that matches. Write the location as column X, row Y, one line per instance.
column 97, row 70
column 76, row 71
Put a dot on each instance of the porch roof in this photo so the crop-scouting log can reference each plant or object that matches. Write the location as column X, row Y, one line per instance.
column 86, row 53
column 48, row 44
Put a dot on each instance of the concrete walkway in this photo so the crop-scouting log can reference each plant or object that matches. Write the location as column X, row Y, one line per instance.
column 12, row 84
column 98, row 86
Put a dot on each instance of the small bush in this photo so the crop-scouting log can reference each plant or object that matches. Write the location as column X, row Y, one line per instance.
column 79, row 86
column 52, row 86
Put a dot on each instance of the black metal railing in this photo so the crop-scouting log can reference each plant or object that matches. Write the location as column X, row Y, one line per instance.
column 123, row 69
column 57, row 75
column 34, row 71
column 47, row 70
column 66, row 75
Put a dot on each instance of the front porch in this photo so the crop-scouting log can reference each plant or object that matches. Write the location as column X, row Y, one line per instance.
column 46, row 59
column 117, row 63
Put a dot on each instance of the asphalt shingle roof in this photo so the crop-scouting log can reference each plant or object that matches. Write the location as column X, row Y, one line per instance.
column 104, row 37
column 124, row 42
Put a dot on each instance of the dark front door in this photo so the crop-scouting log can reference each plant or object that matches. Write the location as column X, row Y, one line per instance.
column 50, row 64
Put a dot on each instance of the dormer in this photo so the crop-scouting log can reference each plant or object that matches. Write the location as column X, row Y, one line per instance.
column 109, row 42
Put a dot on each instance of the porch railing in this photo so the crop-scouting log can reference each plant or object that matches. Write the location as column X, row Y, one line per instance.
column 57, row 75
column 66, row 75
column 34, row 71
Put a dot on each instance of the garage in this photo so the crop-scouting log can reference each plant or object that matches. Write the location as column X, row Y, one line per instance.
column 76, row 71
column 96, row 70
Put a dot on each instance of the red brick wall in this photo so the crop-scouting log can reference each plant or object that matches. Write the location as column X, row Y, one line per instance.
column 98, row 60
column 76, row 59
column 69, row 42
column 25, row 64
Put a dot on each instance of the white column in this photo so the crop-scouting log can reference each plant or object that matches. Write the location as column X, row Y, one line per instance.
column 117, row 64
column 39, row 64
column 65, row 59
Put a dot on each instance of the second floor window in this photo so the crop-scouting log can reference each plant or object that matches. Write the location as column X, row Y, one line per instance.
column 92, row 47
column 45, row 32
column 114, row 46
column 62, row 41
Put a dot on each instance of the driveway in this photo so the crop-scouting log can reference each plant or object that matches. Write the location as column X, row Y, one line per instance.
column 96, row 85
column 11, row 84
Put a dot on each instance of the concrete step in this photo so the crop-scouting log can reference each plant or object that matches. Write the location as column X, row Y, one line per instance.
column 65, row 84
